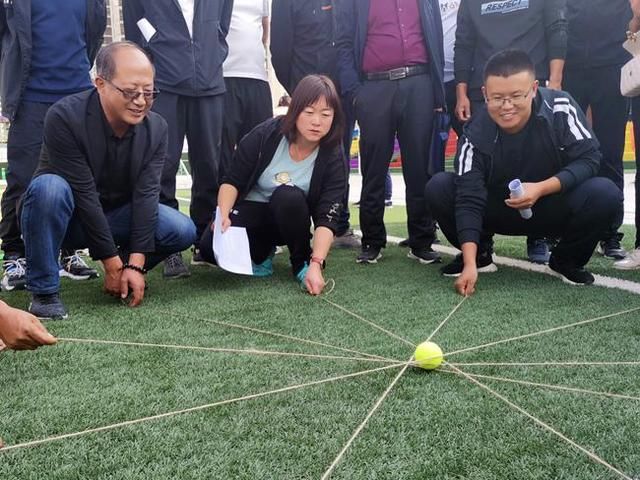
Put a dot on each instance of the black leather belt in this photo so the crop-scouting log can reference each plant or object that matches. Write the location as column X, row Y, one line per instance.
column 398, row 73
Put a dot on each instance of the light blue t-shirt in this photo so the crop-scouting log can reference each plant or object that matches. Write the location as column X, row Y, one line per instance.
column 283, row 170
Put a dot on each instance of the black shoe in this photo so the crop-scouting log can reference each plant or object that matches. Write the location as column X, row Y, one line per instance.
column 538, row 250
column 73, row 266
column 174, row 267
column 570, row 273
column 424, row 255
column 484, row 264
column 611, row 248
column 196, row 259
column 15, row 271
column 369, row 255
column 47, row 307
column 404, row 243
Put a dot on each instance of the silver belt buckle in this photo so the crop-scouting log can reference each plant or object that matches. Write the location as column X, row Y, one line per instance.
column 398, row 73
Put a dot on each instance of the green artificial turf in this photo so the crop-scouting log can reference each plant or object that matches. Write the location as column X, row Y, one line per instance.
column 431, row 425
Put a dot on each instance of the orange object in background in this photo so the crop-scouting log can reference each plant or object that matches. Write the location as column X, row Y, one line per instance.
column 629, row 144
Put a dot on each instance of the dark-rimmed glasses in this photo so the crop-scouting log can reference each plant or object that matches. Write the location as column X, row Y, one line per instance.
column 132, row 95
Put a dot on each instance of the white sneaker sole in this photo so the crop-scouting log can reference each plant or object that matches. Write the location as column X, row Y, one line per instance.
column 491, row 268
column 422, row 260
column 565, row 279
column 64, row 273
column 375, row 260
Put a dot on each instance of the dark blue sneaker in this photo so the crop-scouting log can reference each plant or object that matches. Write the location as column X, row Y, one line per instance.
column 538, row 250
column 302, row 274
column 47, row 307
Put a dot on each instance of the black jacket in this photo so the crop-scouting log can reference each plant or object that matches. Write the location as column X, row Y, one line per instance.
column 328, row 180
column 15, row 47
column 75, row 148
column 353, row 18
column 539, row 27
column 559, row 131
column 597, row 30
column 184, row 66
column 303, row 40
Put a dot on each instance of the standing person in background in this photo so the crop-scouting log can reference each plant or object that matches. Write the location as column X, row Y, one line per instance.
column 303, row 42
column 247, row 101
column 449, row 13
column 632, row 261
column 537, row 27
column 391, row 67
column 186, row 39
column 48, row 48
column 592, row 76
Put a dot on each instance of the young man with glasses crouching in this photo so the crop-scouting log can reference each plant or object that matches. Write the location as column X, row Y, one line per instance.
column 98, row 184
column 542, row 138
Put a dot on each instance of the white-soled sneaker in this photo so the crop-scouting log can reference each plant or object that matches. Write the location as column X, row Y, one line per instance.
column 631, row 262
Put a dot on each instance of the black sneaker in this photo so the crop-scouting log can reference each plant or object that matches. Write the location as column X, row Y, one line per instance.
column 570, row 273
column 369, row 255
column 47, row 307
column 196, row 259
column 174, row 267
column 404, row 243
column 424, row 255
column 347, row 240
column 611, row 248
column 73, row 266
column 14, row 277
column 538, row 250
column 484, row 264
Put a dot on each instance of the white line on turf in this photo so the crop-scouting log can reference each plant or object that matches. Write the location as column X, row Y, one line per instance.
column 600, row 280
column 250, row 351
column 544, row 425
column 194, row 409
column 375, row 407
column 549, row 386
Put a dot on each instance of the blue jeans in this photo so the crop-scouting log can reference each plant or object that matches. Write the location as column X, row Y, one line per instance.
column 48, row 223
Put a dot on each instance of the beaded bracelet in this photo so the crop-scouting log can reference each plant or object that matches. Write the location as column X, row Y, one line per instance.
column 135, row 268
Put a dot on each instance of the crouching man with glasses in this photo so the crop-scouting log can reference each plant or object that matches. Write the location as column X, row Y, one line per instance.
column 98, row 184
column 540, row 137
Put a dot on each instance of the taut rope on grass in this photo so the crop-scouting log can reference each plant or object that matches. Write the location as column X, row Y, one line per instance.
column 249, row 351
column 547, row 364
column 287, row 337
column 549, row 386
column 193, row 409
column 447, row 318
column 355, row 434
column 539, row 422
column 542, row 332
column 368, row 322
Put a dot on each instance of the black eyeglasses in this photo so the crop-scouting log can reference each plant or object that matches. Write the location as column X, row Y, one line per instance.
column 132, row 95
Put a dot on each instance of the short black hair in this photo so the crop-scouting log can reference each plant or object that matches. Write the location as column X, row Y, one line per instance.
column 106, row 65
column 508, row 62
column 310, row 89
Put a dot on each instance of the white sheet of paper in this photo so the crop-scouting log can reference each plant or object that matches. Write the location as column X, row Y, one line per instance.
column 146, row 28
column 231, row 248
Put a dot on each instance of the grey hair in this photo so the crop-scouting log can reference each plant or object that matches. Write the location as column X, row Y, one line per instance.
column 105, row 63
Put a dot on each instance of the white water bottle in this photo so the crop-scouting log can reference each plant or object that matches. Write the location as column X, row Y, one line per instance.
column 516, row 189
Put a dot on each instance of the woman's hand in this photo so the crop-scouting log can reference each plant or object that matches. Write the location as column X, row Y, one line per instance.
column 314, row 281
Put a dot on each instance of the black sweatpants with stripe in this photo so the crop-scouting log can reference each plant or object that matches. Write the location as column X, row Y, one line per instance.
column 578, row 217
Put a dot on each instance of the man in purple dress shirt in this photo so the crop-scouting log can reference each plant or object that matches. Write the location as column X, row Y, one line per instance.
column 391, row 64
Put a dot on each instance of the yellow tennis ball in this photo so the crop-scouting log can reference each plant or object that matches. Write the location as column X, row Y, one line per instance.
column 428, row 355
